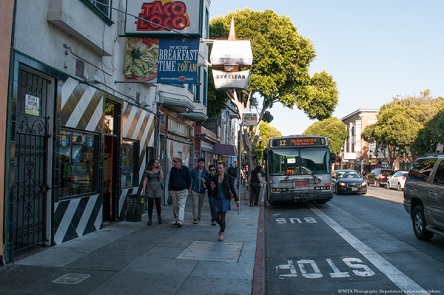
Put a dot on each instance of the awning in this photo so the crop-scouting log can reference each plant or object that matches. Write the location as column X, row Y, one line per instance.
column 224, row 149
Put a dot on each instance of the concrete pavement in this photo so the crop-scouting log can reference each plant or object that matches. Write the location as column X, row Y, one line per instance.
column 133, row 258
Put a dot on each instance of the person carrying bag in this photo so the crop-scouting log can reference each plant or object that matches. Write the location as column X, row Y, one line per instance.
column 152, row 189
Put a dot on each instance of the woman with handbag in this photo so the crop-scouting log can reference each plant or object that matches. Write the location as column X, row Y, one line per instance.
column 152, row 188
column 225, row 187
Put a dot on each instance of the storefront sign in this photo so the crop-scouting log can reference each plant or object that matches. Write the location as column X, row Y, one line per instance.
column 230, row 79
column 32, row 105
column 206, row 146
column 167, row 60
column 227, row 52
column 167, row 17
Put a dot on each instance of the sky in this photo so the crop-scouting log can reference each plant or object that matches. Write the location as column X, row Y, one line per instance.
column 375, row 50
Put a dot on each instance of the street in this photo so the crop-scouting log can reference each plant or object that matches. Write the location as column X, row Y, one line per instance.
column 352, row 245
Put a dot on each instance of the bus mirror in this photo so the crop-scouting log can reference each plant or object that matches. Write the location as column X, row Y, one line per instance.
column 265, row 154
column 332, row 157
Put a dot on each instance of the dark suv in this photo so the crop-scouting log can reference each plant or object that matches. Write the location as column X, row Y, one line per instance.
column 379, row 176
column 424, row 196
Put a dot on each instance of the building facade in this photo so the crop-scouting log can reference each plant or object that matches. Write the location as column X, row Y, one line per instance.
column 6, row 13
column 226, row 127
column 78, row 134
column 357, row 154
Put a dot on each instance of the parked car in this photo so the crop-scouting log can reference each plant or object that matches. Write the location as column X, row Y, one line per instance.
column 397, row 180
column 379, row 176
column 348, row 181
column 424, row 196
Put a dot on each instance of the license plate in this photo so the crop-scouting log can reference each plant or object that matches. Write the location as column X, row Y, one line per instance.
column 300, row 183
column 354, row 189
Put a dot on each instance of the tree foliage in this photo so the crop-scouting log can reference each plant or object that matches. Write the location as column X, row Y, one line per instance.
column 281, row 60
column 333, row 128
column 266, row 132
column 400, row 123
column 280, row 70
column 430, row 136
column 217, row 99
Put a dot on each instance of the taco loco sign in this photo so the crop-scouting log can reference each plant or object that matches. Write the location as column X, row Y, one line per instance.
column 166, row 17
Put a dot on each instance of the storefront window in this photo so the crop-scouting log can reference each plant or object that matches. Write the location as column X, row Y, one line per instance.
column 78, row 163
column 130, row 150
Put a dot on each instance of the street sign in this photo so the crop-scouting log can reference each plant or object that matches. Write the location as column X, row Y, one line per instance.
column 250, row 119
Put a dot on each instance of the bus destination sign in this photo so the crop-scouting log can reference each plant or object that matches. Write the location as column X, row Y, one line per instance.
column 295, row 141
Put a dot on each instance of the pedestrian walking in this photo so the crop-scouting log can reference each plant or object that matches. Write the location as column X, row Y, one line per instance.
column 198, row 174
column 152, row 189
column 178, row 188
column 244, row 176
column 255, row 185
column 210, row 185
column 232, row 171
column 222, row 200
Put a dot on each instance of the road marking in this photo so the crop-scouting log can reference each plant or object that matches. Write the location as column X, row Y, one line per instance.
column 406, row 284
column 294, row 220
column 313, row 271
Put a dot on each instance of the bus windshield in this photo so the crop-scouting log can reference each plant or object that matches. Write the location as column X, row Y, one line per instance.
column 299, row 161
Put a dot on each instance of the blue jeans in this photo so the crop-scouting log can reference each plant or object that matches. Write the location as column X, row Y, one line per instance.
column 211, row 202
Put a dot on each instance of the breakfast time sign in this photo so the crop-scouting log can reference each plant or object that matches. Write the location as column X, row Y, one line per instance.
column 166, row 60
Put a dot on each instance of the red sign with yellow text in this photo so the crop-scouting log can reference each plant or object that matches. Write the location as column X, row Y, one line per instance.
column 164, row 17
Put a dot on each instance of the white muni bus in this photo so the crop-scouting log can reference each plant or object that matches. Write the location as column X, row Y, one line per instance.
column 298, row 169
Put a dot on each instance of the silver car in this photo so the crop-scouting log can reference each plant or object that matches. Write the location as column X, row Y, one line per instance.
column 397, row 180
column 424, row 196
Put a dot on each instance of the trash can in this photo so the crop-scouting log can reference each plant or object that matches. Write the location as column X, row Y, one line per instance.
column 134, row 208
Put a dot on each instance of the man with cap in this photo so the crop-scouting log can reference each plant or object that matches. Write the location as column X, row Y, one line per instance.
column 178, row 188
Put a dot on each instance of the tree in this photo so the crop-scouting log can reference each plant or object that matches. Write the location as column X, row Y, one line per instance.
column 429, row 137
column 400, row 122
column 333, row 128
column 280, row 71
column 266, row 132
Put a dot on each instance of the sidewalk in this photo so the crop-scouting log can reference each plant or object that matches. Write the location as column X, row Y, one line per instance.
column 133, row 258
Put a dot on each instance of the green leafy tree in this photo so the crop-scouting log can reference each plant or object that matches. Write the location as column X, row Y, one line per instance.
column 266, row 132
column 400, row 122
column 333, row 128
column 280, row 71
column 429, row 137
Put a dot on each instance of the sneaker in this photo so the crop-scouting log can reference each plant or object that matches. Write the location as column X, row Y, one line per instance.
column 195, row 221
column 178, row 224
column 213, row 222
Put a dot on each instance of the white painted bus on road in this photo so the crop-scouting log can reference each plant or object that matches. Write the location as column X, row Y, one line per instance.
column 298, row 169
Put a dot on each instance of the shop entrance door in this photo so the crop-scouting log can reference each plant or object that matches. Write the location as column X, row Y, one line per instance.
column 111, row 186
column 30, row 151
column 110, row 207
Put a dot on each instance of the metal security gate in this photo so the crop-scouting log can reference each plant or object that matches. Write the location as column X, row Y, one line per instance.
column 30, row 162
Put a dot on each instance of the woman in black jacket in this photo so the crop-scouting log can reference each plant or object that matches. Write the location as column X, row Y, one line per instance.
column 209, row 183
column 224, row 185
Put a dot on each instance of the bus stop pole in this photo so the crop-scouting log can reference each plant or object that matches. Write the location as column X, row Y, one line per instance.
column 239, row 162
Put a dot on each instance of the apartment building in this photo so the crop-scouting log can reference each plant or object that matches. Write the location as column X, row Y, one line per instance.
column 356, row 152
